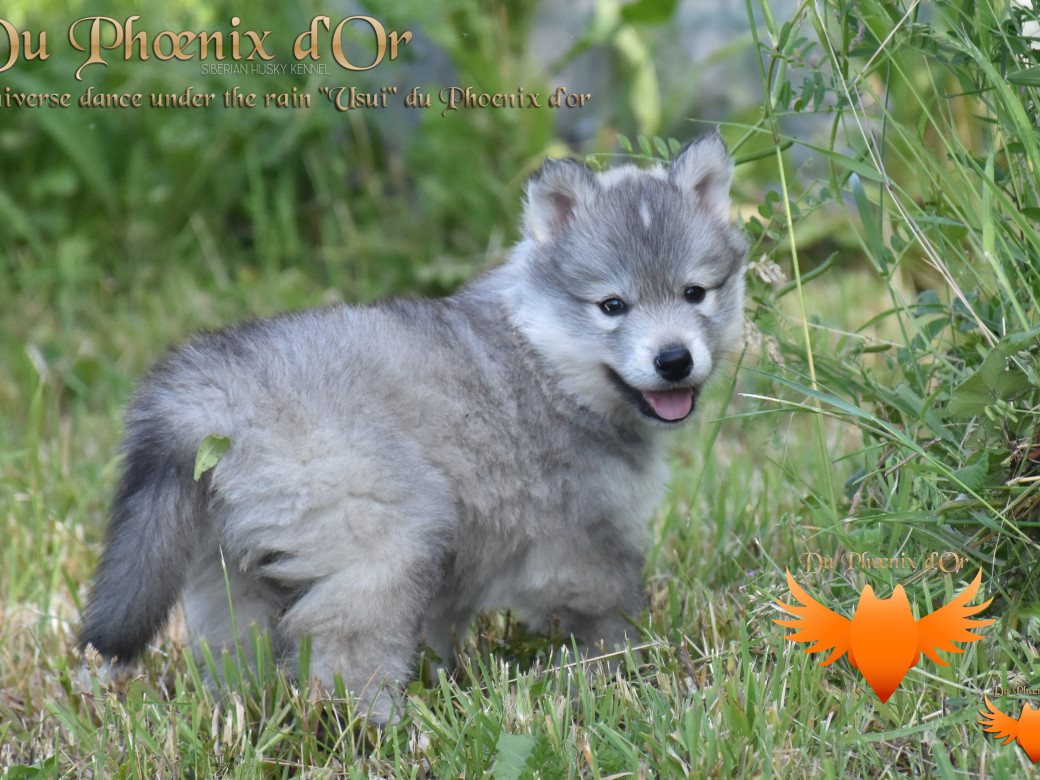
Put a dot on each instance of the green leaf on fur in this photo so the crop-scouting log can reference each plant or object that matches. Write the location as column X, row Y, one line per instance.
column 210, row 452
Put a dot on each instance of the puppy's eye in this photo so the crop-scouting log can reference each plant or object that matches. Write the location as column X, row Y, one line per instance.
column 694, row 294
column 612, row 306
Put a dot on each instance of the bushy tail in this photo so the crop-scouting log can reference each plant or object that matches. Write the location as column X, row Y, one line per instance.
column 149, row 544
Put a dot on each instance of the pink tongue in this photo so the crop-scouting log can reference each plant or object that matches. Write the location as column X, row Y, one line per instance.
column 670, row 404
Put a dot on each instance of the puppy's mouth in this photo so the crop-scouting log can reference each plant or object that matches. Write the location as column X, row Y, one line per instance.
column 667, row 406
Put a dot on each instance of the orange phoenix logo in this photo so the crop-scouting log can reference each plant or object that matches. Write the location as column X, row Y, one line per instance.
column 1025, row 730
column 883, row 640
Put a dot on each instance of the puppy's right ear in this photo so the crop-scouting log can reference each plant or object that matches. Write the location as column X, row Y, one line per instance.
column 704, row 170
column 554, row 193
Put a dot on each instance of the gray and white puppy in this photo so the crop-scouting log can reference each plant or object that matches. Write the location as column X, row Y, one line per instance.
column 395, row 469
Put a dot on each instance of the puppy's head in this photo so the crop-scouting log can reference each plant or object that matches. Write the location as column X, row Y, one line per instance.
column 633, row 280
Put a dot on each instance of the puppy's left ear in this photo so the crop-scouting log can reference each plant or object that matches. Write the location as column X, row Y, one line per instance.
column 704, row 170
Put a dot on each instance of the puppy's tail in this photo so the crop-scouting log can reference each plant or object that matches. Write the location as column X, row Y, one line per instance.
column 149, row 543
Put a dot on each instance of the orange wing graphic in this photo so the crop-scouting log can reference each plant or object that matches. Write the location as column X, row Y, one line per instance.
column 938, row 630
column 816, row 624
column 1025, row 731
column 999, row 724
column 882, row 639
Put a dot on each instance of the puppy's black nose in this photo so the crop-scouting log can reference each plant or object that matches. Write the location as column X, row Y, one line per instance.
column 674, row 363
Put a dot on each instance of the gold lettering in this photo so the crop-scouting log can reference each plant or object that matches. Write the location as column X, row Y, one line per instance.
column 381, row 36
column 809, row 559
column 395, row 40
column 299, row 52
column 176, row 49
column 12, row 42
column 258, row 45
column 94, row 45
column 25, row 45
column 204, row 40
column 141, row 39
column 166, row 45
column 955, row 562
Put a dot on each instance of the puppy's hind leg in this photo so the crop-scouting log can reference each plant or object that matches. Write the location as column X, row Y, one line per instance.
column 223, row 604
column 365, row 614
column 370, row 640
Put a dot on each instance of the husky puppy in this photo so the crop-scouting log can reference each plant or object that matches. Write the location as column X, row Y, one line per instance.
column 395, row 469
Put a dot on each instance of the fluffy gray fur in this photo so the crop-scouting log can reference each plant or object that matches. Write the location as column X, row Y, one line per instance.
column 396, row 468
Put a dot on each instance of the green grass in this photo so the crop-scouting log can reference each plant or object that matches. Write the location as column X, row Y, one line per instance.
column 887, row 404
